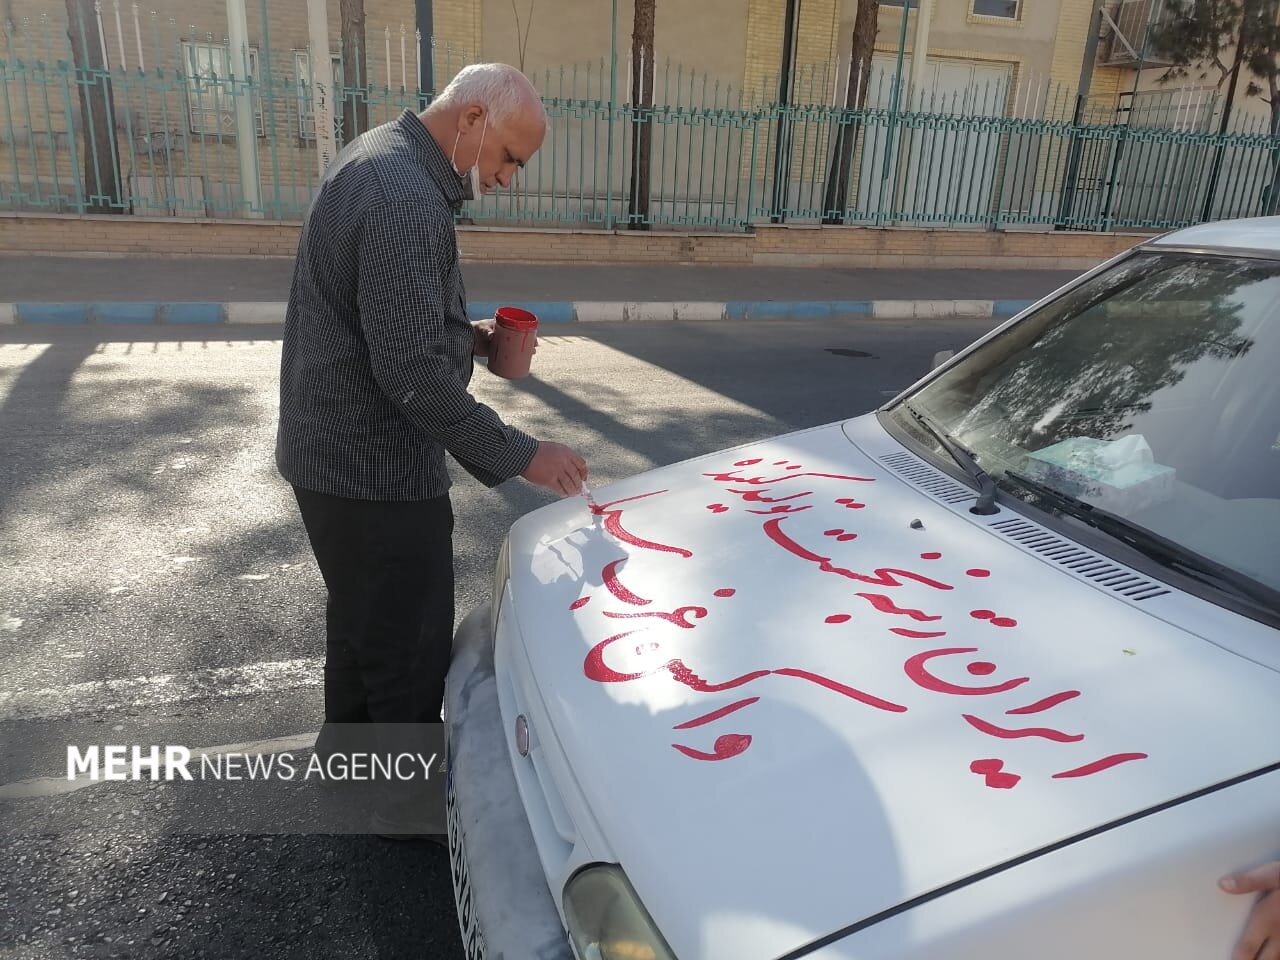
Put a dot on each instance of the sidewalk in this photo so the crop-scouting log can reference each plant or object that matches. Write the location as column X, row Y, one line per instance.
column 145, row 289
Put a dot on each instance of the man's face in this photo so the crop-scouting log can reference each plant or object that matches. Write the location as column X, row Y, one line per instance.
column 508, row 145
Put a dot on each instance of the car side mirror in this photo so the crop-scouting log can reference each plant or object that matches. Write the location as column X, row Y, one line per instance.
column 941, row 357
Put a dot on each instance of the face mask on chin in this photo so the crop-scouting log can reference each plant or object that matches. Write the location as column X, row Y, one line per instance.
column 473, row 190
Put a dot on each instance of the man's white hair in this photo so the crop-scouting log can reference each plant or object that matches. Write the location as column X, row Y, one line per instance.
column 498, row 87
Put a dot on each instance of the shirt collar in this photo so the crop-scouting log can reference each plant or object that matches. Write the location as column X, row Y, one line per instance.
column 433, row 157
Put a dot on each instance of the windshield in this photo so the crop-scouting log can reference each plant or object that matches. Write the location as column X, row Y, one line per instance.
column 1150, row 393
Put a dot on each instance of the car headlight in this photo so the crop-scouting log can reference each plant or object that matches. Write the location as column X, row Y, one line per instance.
column 501, row 574
column 606, row 919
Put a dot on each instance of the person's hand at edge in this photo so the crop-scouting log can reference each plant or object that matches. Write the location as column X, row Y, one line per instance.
column 1261, row 937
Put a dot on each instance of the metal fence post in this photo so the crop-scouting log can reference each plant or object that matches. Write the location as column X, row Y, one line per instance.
column 892, row 129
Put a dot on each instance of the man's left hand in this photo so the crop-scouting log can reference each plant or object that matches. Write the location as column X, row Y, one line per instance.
column 482, row 331
column 1261, row 937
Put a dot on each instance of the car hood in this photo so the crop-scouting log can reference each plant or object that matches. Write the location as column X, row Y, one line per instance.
column 798, row 692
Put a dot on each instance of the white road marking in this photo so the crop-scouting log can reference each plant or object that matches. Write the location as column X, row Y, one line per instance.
column 102, row 696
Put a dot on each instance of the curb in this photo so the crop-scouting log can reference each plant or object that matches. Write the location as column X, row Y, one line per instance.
column 272, row 312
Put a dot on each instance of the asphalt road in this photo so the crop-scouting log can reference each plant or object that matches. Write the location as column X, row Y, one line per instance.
column 40, row 278
column 154, row 576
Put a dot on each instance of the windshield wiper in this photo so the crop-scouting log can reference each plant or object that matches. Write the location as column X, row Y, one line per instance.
column 1150, row 544
column 986, row 502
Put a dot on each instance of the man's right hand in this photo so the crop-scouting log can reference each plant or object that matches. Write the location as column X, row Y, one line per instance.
column 557, row 468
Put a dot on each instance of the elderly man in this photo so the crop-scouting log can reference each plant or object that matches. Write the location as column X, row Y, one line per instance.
column 373, row 390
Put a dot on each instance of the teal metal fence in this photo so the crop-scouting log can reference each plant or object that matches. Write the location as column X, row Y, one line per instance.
column 136, row 115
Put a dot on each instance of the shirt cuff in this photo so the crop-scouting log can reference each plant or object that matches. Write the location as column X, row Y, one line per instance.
column 511, row 462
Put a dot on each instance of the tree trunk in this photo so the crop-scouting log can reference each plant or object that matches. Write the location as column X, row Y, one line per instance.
column 836, row 200
column 101, row 188
column 355, row 70
column 1219, row 155
column 1271, row 194
column 642, row 105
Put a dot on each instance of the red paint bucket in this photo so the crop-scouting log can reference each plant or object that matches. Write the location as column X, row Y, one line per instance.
column 515, row 335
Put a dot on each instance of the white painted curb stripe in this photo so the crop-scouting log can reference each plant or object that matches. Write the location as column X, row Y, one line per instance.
column 589, row 311
column 8, row 313
column 701, row 311
column 256, row 312
column 907, row 309
column 649, row 312
column 972, row 308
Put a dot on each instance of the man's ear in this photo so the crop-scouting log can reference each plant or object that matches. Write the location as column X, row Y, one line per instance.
column 469, row 117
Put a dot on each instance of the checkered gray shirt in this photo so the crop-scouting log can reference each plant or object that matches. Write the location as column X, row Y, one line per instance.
column 377, row 347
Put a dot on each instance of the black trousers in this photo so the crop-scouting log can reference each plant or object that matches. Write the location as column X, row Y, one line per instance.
column 388, row 567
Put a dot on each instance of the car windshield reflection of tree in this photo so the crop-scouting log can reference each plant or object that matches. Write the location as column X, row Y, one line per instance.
column 1179, row 349
column 1094, row 370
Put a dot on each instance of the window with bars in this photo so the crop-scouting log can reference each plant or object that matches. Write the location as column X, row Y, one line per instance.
column 211, row 102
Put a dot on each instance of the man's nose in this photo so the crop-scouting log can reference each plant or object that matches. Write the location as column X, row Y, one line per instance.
column 503, row 177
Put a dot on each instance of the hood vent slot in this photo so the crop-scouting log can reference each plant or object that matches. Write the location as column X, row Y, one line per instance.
column 1082, row 562
column 920, row 474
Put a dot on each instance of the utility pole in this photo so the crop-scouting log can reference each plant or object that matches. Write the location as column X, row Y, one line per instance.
column 425, row 16
column 321, row 83
column 920, row 50
column 246, row 128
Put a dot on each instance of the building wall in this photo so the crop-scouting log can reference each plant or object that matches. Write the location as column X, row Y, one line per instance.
column 722, row 45
column 955, row 31
column 1074, row 17
column 40, row 21
column 459, row 31
column 707, row 38
column 162, row 150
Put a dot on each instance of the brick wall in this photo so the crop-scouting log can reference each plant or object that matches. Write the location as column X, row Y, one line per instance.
column 458, row 36
column 1068, row 50
column 767, row 246
column 817, row 34
column 1074, row 17
column 765, row 20
column 958, row 249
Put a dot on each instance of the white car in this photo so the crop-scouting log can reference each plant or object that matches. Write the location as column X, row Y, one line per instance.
column 992, row 672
